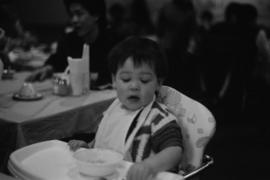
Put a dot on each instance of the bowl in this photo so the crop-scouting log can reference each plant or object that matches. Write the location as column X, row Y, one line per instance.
column 27, row 90
column 97, row 162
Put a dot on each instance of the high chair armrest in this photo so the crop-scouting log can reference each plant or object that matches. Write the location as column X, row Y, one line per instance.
column 207, row 161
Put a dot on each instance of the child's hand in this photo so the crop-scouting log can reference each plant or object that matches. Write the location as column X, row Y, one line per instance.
column 76, row 144
column 140, row 171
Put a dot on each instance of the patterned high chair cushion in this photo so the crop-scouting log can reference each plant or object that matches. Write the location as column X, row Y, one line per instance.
column 197, row 124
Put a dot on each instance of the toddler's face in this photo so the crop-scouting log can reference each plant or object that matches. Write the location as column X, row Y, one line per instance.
column 135, row 86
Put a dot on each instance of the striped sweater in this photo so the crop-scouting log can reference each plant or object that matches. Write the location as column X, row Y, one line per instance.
column 159, row 131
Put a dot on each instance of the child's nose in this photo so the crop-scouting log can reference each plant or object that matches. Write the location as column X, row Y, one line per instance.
column 135, row 85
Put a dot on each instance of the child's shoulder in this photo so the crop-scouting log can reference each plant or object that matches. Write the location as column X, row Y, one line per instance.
column 163, row 109
column 160, row 116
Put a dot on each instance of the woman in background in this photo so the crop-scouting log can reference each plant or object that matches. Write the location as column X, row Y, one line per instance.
column 88, row 25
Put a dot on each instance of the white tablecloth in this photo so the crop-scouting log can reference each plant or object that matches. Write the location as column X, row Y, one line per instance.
column 53, row 117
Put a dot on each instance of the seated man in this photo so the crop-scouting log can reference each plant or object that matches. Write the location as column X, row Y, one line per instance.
column 88, row 22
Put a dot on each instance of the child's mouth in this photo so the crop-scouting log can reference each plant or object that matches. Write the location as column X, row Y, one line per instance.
column 133, row 98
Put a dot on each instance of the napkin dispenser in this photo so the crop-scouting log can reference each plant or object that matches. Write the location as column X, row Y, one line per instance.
column 79, row 73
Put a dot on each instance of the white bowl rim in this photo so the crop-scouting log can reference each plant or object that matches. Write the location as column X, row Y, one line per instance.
column 98, row 149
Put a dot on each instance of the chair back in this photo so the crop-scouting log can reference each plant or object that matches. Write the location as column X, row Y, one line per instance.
column 197, row 124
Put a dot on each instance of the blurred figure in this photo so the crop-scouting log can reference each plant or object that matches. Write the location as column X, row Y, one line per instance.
column 201, row 32
column 263, row 44
column 129, row 20
column 9, row 20
column 15, row 34
column 3, row 49
column 258, row 92
column 228, row 57
column 140, row 16
column 14, row 27
column 119, row 24
column 206, row 20
column 116, row 20
column 175, row 27
column 88, row 22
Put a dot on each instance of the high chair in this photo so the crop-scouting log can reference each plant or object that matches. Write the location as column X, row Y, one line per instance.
column 198, row 127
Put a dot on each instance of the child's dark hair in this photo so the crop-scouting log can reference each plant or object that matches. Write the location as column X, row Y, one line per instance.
column 142, row 50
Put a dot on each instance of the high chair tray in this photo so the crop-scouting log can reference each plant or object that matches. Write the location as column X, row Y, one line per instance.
column 45, row 160
column 53, row 160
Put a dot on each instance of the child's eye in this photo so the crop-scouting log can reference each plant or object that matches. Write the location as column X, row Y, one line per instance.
column 144, row 81
column 125, row 79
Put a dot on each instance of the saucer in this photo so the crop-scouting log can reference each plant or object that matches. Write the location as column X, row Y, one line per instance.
column 20, row 97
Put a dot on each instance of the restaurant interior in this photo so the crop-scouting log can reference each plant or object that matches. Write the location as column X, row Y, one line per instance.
column 223, row 68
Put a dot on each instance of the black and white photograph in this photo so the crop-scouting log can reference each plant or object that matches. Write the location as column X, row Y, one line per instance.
column 134, row 89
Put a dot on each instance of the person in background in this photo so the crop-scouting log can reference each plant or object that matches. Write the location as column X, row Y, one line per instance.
column 175, row 27
column 14, row 27
column 15, row 34
column 136, row 124
column 196, row 84
column 118, row 24
column 88, row 22
column 130, row 20
column 228, row 57
column 141, row 19
column 207, row 19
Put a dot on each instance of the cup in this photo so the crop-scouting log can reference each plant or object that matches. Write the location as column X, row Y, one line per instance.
column 79, row 76
column 61, row 85
column 77, row 82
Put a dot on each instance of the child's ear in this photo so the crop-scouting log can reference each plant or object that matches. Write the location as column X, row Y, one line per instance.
column 160, row 83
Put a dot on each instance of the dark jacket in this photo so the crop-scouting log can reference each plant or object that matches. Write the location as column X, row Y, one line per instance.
column 72, row 45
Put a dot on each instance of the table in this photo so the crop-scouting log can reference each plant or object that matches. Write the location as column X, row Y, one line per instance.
column 53, row 117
